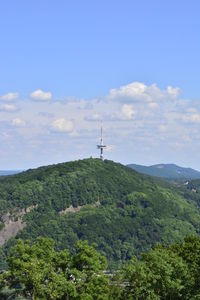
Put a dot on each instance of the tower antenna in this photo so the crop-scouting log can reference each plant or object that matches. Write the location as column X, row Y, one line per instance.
column 101, row 146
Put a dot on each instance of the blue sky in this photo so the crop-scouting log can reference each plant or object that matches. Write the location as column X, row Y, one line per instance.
column 67, row 64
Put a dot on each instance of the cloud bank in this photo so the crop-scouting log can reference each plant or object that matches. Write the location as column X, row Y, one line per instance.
column 144, row 123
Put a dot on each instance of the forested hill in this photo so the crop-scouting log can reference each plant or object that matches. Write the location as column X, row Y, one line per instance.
column 77, row 183
column 168, row 171
column 122, row 211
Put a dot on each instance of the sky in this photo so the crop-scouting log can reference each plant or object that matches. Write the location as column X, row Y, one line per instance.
column 67, row 65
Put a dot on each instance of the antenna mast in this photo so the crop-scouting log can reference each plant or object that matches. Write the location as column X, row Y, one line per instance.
column 101, row 146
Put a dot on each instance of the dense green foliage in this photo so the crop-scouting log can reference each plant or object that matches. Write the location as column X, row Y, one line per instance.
column 135, row 211
column 165, row 273
column 168, row 171
column 77, row 183
column 37, row 271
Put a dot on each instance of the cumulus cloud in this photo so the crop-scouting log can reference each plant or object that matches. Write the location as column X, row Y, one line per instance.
column 138, row 91
column 9, row 96
column 174, row 92
column 18, row 122
column 40, row 95
column 8, row 107
column 128, row 111
column 63, row 125
column 191, row 118
column 132, row 90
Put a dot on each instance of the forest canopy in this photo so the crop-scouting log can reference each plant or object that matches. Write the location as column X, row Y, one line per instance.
column 38, row 271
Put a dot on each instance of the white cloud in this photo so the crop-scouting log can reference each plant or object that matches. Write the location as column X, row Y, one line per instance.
column 9, row 96
column 191, row 118
column 128, row 111
column 18, row 122
column 74, row 133
column 132, row 90
column 8, row 107
column 174, row 92
column 41, row 95
column 63, row 125
column 153, row 105
column 138, row 91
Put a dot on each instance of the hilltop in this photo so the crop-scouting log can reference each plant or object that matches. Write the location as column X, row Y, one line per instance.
column 122, row 211
column 168, row 171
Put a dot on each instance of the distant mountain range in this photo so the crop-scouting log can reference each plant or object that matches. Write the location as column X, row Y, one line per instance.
column 169, row 171
column 9, row 172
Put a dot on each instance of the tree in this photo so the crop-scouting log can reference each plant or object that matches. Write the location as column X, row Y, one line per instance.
column 189, row 251
column 161, row 274
column 40, row 272
column 93, row 283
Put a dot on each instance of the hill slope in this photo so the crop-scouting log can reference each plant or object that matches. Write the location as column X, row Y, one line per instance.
column 121, row 210
column 169, row 171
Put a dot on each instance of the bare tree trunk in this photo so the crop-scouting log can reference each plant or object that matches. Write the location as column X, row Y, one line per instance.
column 33, row 296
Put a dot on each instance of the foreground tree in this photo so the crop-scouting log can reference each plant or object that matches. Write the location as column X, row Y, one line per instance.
column 189, row 251
column 37, row 271
column 40, row 272
column 161, row 274
column 93, row 284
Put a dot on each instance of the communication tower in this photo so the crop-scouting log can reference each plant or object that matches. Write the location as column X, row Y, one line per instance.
column 101, row 146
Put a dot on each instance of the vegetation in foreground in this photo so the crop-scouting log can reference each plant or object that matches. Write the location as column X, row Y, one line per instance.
column 38, row 271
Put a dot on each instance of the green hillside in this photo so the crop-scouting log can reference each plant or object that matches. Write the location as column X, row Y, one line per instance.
column 122, row 211
column 168, row 171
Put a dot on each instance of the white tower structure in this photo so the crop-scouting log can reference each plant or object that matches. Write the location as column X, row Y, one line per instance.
column 101, row 146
